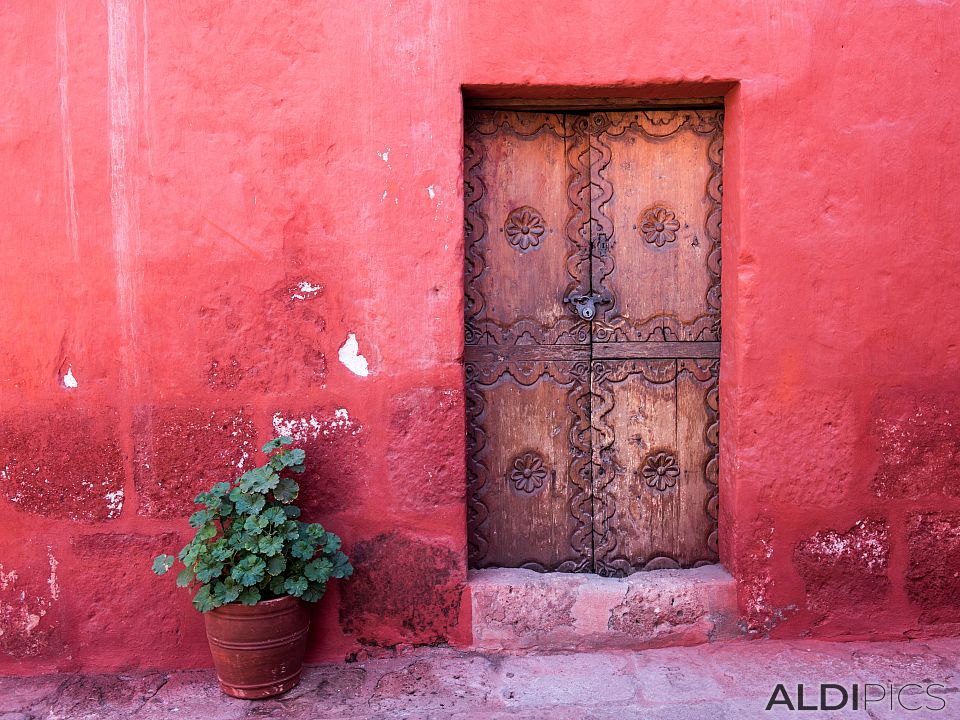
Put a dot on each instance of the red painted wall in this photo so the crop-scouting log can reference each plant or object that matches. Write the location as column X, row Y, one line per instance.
column 201, row 201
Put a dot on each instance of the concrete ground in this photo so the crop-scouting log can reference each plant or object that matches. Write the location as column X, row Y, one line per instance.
column 722, row 680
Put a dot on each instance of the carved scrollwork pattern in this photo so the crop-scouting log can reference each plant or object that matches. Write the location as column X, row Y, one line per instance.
column 475, row 230
column 477, row 472
column 591, row 388
column 658, row 225
column 528, row 472
column 524, row 228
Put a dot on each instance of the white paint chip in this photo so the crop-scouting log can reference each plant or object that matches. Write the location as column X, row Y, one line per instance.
column 52, row 580
column 69, row 380
column 307, row 290
column 385, row 155
column 114, row 503
column 431, row 192
column 351, row 358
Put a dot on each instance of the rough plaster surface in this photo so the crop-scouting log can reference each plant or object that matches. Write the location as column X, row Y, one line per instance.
column 517, row 609
column 202, row 200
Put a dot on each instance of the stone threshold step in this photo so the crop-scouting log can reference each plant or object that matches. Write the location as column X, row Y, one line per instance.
column 522, row 610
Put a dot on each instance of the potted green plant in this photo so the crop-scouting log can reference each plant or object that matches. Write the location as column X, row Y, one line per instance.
column 254, row 565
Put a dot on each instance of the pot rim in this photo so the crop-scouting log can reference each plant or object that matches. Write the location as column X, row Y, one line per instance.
column 238, row 608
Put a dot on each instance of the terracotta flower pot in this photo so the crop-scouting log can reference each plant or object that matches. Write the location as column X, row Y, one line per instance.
column 258, row 649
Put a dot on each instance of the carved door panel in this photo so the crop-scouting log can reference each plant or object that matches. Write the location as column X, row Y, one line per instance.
column 530, row 468
column 656, row 224
column 591, row 337
column 654, row 449
column 527, row 355
column 655, row 220
column 527, row 248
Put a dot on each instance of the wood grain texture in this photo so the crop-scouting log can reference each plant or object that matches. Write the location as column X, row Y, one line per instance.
column 529, row 473
column 592, row 445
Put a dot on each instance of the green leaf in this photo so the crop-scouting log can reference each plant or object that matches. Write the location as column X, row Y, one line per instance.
column 291, row 511
column 203, row 600
column 277, row 442
column 220, row 490
column 208, row 571
column 318, row 570
column 231, row 590
column 200, row 518
column 220, row 550
column 276, row 565
column 249, row 571
column 270, row 545
column 315, row 531
column 276, row 585
column 292, row 457
column 341, row 566
column 332, row 544
column 303, row 549
column 314, row 592
column 206, row 532
column 296, row 586
column 184, row 577
column 254, row 524
column 189, row 553
column 250, row 596
column 259, row 480
column 249, row 503
column 286, row 490
column 162, row 563
column 274, row 516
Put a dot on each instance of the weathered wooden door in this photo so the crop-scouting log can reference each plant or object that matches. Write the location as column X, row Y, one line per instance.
column 592, row 335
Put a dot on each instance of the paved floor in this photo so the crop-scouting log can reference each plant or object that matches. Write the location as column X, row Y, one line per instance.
column 724, row 680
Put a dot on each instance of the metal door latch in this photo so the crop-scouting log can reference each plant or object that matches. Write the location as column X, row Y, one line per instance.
column 586, row 305
column 602, row 245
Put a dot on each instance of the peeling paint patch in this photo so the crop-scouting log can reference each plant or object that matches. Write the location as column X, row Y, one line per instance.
column 52, row 580
column 866, row 542
column 351, row 358
column 335, row 466
column 114, row 503
column 23, row 606
column 310, row 428
column 69, row 381
column 306, row 290
column 431, row 192
column 384, row 155
column 845, row 571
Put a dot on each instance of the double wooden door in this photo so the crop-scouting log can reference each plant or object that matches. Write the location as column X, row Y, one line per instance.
column 592, row 328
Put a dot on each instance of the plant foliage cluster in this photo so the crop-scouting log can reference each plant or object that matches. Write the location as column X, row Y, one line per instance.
column 250, row 544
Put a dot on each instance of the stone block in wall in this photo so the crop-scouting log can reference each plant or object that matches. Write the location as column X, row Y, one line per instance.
column 918, row 441
column 63, row 462
column 335, row 466
column 405, row 589
column 425, row 456
column 845, row 570
column 183, row 450
column 933, row 575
